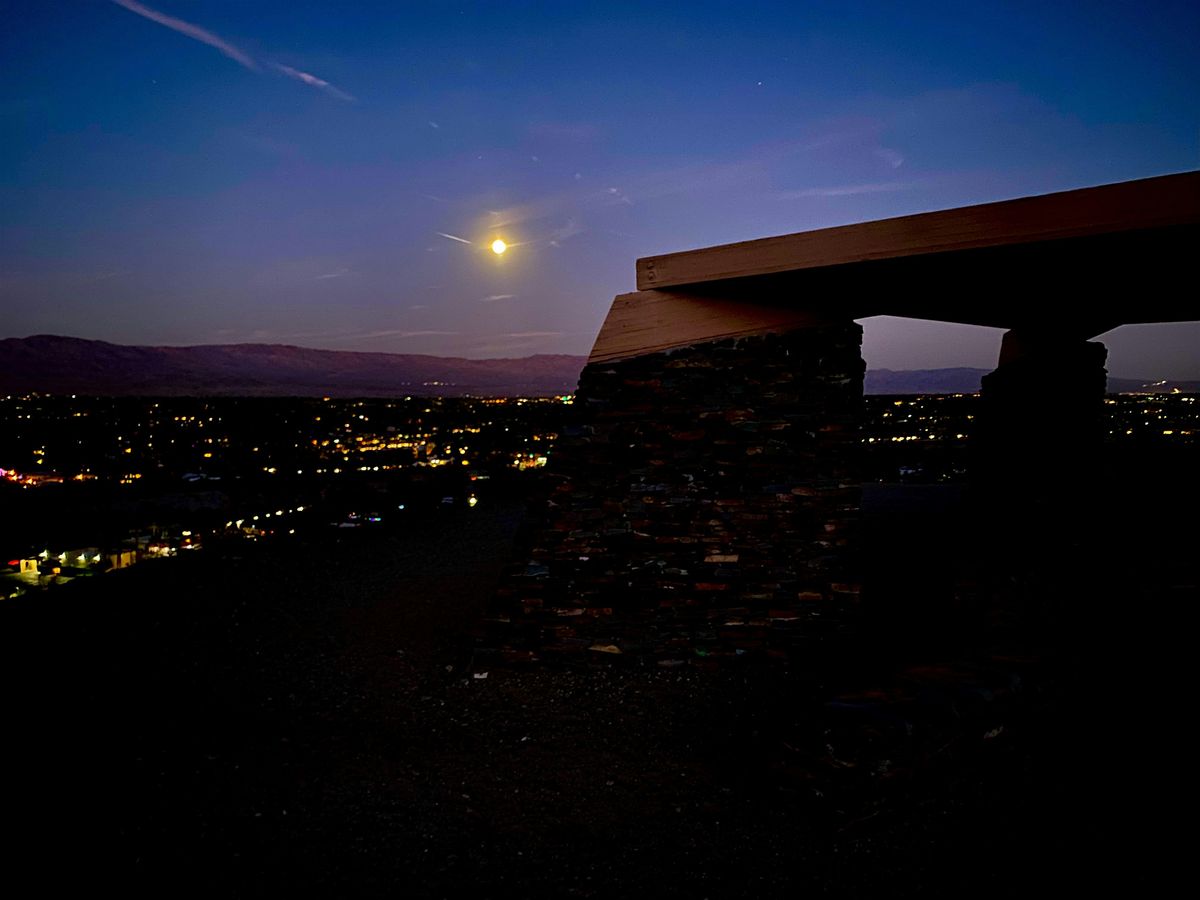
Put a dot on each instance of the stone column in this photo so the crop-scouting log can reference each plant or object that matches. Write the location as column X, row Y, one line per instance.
column 702, row 506
column 1040, row 424
column 1037, row 476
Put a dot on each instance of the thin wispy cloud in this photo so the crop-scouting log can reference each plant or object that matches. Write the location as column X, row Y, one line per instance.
column 263, row 334
column 452, row 237
column 395, row 333
column 492, row 298
column 688, row 179
column 754, row 169
column 193, row 31
column 313, row 81
column 338, row 274
column 512, row 342
column 619, row 196
column 548, row 207
column 399, row 333
column 564, row 232
column 849, row 190
column 204, row 36
column 893, row 158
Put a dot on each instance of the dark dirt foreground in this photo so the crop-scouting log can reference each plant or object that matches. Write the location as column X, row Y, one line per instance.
column 305, row 719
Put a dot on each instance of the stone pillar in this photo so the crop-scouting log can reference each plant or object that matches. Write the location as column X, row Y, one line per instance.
column 1037, row 476
column 1040, row 423
column 703, row 506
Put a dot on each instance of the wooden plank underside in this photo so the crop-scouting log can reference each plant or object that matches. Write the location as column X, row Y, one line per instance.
column 652, row 321
column 1131, row 206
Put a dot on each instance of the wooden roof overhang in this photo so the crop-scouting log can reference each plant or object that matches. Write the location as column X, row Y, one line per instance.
column 1078, row 262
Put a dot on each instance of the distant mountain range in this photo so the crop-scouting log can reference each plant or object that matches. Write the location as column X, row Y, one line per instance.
column 64, row 365
column 53, row 364
column 923, row 381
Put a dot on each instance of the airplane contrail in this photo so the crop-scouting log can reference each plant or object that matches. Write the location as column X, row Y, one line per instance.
column 313, row 81
column 193, row 31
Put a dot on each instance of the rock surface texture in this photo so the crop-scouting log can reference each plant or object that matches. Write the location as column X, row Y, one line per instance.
column 703, row 507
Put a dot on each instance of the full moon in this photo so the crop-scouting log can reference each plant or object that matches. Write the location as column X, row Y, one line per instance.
column 498, row 246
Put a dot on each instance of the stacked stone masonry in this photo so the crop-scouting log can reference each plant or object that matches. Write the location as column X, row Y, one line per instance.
column 702, row 507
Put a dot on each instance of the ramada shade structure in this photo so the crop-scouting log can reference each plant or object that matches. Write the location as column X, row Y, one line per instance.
column 709, row 498
column 1072, row 264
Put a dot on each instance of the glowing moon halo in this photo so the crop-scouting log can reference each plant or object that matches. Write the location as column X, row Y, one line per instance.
column 498, row 247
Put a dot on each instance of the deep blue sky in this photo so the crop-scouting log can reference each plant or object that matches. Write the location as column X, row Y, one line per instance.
column 216, row 171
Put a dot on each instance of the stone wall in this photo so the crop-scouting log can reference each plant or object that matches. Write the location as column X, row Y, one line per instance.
column 702, row 507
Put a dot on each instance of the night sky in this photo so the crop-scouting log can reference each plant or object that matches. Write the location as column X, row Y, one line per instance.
column 331, row 174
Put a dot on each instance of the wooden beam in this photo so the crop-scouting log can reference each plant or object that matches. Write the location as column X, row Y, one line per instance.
column 1163, row 202
column 652, row 321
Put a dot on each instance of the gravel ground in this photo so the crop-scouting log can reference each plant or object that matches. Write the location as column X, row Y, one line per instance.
column 304, row 719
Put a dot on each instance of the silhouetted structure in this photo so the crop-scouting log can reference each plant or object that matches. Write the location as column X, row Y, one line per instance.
column 708, row 493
